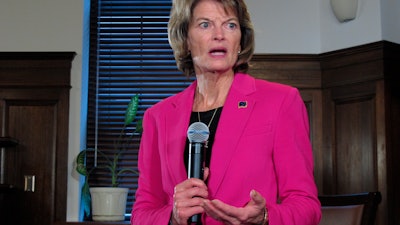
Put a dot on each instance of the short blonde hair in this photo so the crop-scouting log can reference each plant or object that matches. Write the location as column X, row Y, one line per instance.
column 178, row 26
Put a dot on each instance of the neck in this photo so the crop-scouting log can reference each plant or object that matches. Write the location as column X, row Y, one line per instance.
column 211, row 92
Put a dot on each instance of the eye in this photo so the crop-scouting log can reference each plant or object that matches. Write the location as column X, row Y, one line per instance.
column 204, row 24
column 231, row 25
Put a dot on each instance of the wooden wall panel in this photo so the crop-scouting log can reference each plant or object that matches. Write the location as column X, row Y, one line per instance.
column 350, row 139
column 353, row 100
column 355, row 146
column 301, row 71
column 358, row 144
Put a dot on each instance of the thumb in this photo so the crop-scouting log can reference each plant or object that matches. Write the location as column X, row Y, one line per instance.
column 206, row 173
column 257, row 198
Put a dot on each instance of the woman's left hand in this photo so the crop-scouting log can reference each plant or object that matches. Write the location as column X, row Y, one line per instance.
column 252, row 213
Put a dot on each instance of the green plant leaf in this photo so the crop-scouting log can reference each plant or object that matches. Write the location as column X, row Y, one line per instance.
column 131, row 110
column 110, row 162
column 139, row 126
column 80, row 163
column 125, row 170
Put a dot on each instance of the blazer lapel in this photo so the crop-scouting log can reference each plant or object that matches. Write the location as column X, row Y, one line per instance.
column 236, row 112
column 176, row 124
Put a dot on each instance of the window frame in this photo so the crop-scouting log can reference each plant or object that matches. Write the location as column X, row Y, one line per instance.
column 131, row 56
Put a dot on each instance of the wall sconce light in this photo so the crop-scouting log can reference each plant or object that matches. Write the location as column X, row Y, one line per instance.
column 344, row 10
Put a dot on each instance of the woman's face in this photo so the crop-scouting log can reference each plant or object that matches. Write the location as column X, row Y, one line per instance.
column 214, row 38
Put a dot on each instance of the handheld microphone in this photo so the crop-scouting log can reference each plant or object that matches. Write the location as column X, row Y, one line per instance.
column 197, row 134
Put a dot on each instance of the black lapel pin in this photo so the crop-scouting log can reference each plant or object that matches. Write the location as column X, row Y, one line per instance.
column 242, row 104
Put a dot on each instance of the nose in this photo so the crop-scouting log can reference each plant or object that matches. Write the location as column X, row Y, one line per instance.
column 219, row 33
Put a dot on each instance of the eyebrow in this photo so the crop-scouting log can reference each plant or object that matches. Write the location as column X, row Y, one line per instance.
column 207, row 19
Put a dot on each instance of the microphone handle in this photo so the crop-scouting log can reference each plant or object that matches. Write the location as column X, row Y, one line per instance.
column 196, row 160
column 196, row 169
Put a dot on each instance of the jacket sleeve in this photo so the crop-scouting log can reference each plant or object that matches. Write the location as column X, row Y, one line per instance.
column 298, row 202
column 152, row 205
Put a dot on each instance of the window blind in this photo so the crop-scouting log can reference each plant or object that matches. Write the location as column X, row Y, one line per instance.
column 129, row 54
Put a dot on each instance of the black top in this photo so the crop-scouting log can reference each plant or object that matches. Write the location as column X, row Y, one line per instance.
column 205, row 117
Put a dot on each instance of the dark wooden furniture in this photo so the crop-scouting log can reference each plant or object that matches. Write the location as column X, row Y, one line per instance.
column 6, row 143
column 7, row 190
column 353, row 100
column 350, row 209
column 34, row 109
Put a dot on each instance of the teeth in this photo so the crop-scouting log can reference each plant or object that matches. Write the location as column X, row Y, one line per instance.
column 217, row 53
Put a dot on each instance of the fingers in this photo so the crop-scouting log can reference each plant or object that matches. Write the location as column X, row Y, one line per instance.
column 253, row 212
column 212, row 210
column 191, row 188
column 224, row 212
column 188, row 199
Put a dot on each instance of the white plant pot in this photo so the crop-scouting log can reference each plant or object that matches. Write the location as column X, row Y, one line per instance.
column 108, row 203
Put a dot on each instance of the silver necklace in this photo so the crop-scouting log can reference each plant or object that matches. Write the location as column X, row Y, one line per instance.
column 212, row 118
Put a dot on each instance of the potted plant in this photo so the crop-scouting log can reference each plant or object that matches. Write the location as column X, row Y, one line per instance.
column 92, row 197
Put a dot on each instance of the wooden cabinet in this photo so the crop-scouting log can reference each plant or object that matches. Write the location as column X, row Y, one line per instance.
column 34, row 109
column 353, row 101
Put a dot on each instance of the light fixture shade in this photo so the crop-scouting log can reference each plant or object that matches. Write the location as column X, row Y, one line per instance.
column 344, row 10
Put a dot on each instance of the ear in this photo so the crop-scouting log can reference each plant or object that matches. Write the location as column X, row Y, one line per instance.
column 188, row 44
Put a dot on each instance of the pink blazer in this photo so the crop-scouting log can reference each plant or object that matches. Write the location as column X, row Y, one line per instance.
column 263, row 145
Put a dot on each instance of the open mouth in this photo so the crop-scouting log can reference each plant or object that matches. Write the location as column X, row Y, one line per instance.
column 218, row 51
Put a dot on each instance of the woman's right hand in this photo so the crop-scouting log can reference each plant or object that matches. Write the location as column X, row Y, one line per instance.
column 188, row 198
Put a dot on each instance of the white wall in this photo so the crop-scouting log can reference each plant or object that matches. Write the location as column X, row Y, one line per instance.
column 390, row 11
column 282, row 26
column 309, row 26
column 365, row 28
column 286, row 26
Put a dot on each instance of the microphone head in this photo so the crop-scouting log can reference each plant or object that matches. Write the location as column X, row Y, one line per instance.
column 198, row 132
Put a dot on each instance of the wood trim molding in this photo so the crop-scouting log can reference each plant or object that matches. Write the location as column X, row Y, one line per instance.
column 54, row 69
column 299, row 70
column 369, row 62
column 358, row 64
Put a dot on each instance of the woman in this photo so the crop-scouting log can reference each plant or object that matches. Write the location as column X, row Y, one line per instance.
column 259, row 160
